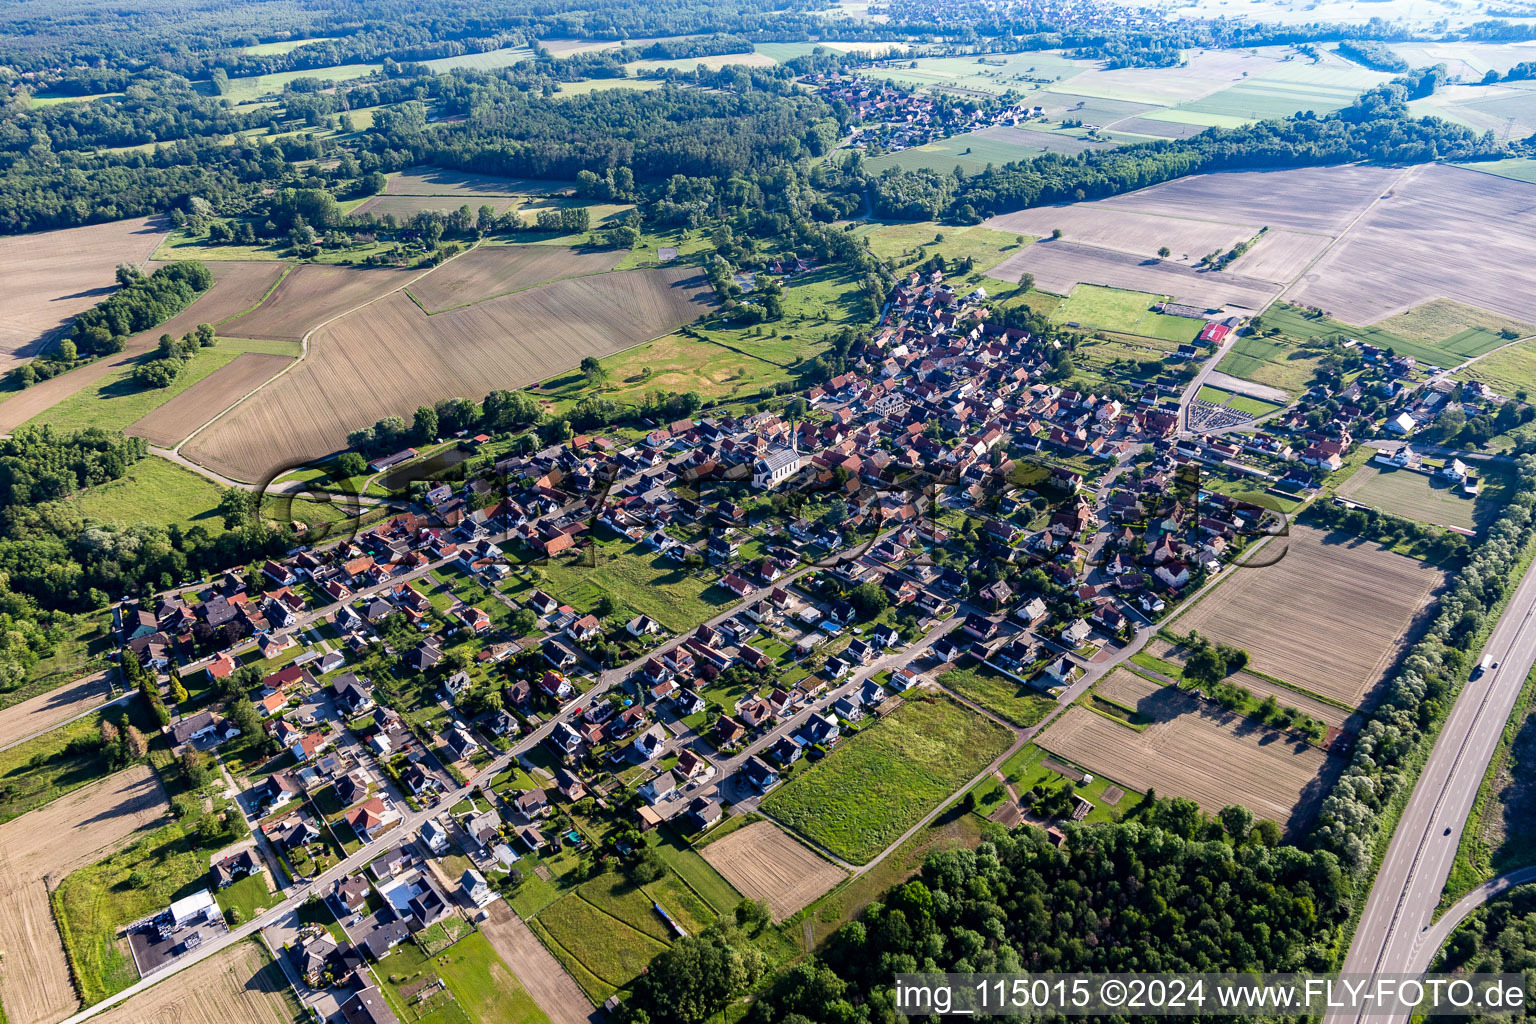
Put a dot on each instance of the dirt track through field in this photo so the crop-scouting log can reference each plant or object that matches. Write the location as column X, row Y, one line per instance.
column 388, row 358
column 237, row 287
column 1195, row 750
column 207, row 398
column 37, row 851
column 240, row 985
column 51, row 276
column 541, row 974
column 43, row 712
column 498, row 269
column 1330, row 616
column 766, row 863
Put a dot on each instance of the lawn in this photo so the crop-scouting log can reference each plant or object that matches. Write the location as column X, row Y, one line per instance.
column 1116, row 309
column 882, row 781
column 641, row 580
column 42, row 769
column 1233, row 400
column 485, row 988
column 721, row 896
column 1007, row 698
column 155, row 491
column 93, row 903
column 115, row 401
column 247, row 898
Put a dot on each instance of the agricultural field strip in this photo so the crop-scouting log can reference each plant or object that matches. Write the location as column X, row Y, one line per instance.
column 1210, row 756
column 492, row 271
column 297, row 416
column 240, row 985
column 1327, row 617
column 226, row 386
column 239, row 288
column 766, row 863
column 39, row 849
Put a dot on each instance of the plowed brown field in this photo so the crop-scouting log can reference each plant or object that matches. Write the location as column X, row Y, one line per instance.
column 389, row 358
column 311, row 295
column 766, row 863
column 493, row 270
column 42, row 847
column 239, row 985
column 52, row 275
column 207, row 398
column 1329, row 617
column 237, row 286
column 1194, row 750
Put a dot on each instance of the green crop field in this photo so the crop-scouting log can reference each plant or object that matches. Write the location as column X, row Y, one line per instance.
column 285, row 46
column 1115, row 309
column 245, row 90
column 879, row 783
column 1518, row 168
column 1261, row 99
column 1018, row 702
column 969, row 152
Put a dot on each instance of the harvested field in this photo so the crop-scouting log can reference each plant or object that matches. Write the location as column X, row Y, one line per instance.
column 41, row 848
column 1126, row 231
column 1051, row 142
column 1412, row 495
column 1161, row 129
column 1444, row 232
column 1322, row 199
column 1062, row 265
column 311, row 295
column 1197, row 751
column 237, row 286
column 766, row 863
column 1329, row 616
column 239, row 985
column 403, row 208
column 47, row 710
column 390, row 358
column 493, row 270
column 207, row 398
column 52, row 275
column 1204, row 72
column 1328, row 714
column 541, row 974
column 435, row 181
column 1280, row 255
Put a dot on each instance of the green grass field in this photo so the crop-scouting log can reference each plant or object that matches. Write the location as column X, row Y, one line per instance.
column 880, row 782
column 642, row 580
column 970, row 152
column 488, row 61
column 1508, row 370
column 1115, row 309
column 155, row 491
column 603, row 947
column 1518, row 168
column 82, row 645
column 1007, row 698
column 93, row 903
column 1233, row 400
column 721, row 896
column 245, row 90
column 285, row 46
column 115, row 401
column 1402, row 492
column 901, row 244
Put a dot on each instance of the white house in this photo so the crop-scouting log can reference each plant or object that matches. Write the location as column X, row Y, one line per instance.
column 477, row 888
column 1402, row 423
column 775, row 467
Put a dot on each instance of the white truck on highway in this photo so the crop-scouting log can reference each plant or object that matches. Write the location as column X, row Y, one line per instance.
column 1484, row 665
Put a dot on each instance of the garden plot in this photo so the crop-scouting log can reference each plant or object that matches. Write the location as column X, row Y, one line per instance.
column 1329, row 615
column 50, row 276
column 39, row 849
column 389, row 357
column 1195, row 750
column 207, row 398
column 237, row 287
column 1442, row 232
column 1062, row 265
column 766, row 863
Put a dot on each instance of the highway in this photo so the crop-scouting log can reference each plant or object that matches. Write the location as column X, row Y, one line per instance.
column 1395, row 934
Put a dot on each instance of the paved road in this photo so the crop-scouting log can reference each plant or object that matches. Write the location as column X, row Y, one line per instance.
column 1440, row 932
column 1394, row 935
